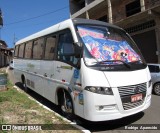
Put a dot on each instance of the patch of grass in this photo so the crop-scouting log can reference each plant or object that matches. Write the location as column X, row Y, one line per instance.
column 2, row 121
column 47, row 121
column 9, row 84
column 17, row 108
column 3, row 99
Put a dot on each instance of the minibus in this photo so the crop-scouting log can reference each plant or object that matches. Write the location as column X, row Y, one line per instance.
column 89, row 68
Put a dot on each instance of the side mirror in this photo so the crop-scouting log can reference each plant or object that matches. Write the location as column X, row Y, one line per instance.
column 77, row 49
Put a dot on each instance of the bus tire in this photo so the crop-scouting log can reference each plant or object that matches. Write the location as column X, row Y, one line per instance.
column 156, row 89
column 26, row 89
column 66, row 105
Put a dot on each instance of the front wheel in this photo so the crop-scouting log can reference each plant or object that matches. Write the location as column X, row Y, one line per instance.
column 66, row 106
column 156, row 89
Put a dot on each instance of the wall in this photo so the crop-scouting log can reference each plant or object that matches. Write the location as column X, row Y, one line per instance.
column 119, row 10
column 151, row 3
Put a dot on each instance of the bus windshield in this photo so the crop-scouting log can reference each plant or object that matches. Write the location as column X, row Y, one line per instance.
column 108, row 46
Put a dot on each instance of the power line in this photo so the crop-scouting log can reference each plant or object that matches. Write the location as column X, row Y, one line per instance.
column 37, row 16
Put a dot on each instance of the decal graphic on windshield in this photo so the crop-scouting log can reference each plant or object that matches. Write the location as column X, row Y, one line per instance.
column 102, row 48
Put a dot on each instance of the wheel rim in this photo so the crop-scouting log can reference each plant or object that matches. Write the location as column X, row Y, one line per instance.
column 157, row 89
column 25, row 86
column 67, row 106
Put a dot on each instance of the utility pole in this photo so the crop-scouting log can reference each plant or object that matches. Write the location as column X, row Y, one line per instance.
column 0, row 33
column 1, row 22
column 14, row 39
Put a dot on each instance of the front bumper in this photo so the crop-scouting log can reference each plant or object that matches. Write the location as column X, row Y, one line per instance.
column 105, row 107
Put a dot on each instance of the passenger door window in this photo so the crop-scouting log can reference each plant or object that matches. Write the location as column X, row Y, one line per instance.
column 28, row 50
column 16, row 51
column 21, row 50
column 38, row 48
column 50, row 48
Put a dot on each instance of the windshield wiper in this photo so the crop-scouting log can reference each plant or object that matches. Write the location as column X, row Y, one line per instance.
column 144, row 64
column 127, row 65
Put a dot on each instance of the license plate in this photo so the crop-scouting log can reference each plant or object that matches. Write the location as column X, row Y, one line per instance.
column 136, row 97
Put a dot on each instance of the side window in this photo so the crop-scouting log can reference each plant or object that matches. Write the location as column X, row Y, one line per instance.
column 38, row 48
column 28, row 50
column 50, row 47
column 157, row 69
column 21, row 50
column 16, row 51
column 153, row 69
column 66, row 48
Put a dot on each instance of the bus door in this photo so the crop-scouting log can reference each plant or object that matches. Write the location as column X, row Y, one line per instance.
column 65, row 64
column 67, row 74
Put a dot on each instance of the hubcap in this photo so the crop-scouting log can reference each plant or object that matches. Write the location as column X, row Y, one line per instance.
column 24, row 85
column 157, row 89
column 67, row 107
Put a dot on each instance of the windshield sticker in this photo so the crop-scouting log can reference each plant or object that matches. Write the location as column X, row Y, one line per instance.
column 76, row 74
column 106, row 49
column 80, row 97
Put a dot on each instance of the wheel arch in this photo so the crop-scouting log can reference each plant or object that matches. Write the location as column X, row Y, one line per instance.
column 59, row 93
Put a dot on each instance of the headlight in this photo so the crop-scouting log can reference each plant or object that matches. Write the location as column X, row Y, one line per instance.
column 149, row 83
column 100, row 90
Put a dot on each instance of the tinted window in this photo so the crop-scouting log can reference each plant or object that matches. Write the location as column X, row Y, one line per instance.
column 16, row 51
column 21, row 50
column 38, row 48
column 50, row 47
column 66, row 48
column 154, row 68
column 28, row 50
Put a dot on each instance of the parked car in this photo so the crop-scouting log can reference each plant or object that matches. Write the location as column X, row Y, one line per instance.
column 155, row 75
column 11, row 65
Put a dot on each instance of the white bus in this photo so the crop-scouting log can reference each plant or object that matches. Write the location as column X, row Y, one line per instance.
column 90, row 68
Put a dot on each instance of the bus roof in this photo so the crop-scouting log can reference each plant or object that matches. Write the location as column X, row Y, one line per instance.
column 62, row 25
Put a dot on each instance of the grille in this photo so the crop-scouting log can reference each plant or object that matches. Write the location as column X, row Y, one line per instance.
column 127, row 91
column 130, row 105
column 130, row 90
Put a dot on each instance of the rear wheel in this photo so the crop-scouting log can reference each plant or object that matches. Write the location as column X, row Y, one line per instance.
column 156, row 89
column 25, row 85
column 66, row 106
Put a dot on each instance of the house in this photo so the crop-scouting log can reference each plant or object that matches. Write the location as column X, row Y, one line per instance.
column 6, row 54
